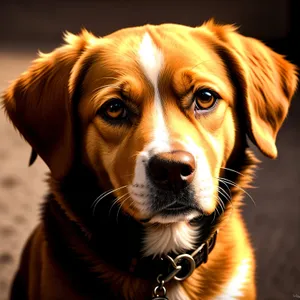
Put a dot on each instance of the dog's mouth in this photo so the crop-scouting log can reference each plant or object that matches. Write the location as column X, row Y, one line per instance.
column 176, row 208
column 174, row 212
column 164, row 206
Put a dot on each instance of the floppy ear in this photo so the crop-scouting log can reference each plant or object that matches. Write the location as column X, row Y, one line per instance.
column 268, row 82
column 39, row 104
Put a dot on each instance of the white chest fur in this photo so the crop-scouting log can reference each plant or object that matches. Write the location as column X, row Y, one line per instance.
column 174, row 237
column 235, row 287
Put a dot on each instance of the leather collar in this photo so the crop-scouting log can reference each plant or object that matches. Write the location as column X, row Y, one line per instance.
column 166, row 265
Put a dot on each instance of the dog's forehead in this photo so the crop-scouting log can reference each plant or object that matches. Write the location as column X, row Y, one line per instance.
column 169, row 45
column 158, row 54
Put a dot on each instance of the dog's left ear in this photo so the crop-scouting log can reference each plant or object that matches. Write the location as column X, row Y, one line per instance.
column 267, row 81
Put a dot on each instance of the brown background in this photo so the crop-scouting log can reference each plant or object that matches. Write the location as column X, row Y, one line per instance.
column 275, row 220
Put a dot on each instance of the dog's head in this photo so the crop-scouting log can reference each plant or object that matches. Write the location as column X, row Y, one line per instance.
column 158, row 111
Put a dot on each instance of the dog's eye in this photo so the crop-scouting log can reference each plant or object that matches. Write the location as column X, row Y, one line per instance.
column 114, row 109
column 205, row 99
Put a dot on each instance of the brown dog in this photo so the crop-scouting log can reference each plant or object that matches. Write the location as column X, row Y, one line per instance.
column 144, row 132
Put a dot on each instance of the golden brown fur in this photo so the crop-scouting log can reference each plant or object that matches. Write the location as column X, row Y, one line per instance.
column 255, row 84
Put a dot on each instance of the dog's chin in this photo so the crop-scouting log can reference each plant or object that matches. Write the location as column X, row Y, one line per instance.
column 169, row 216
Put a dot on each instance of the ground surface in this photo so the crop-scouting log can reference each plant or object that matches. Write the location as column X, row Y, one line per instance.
column 274, row 223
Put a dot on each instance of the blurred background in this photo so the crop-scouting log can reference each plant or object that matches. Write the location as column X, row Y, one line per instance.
column 273, row 223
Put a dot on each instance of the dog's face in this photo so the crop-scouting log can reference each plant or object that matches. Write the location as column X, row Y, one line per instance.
column 160, row 110
column 159, row 113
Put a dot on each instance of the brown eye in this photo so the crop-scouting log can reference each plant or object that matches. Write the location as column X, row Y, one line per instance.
column 205, row 99
column 114, row 110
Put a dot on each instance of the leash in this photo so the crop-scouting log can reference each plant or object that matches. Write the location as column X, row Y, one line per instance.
column 183, row 266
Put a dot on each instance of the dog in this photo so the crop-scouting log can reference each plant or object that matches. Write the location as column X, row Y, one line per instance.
column 145, row 135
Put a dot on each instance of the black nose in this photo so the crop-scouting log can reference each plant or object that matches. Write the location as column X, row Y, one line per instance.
column 172, row 170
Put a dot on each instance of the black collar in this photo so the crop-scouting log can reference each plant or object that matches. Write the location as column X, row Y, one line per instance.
column 172, row 266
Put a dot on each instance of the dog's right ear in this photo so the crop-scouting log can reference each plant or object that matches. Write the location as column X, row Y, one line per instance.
column 39, row 103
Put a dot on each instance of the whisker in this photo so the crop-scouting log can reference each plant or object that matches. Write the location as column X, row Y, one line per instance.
column 228, row 169
column 217, row 205
column 103, row 195
column 116, row 201
column 222, row 203
column 218, row 209
column 223, row 193
column 228, row 188
column 230, row 182
column 120, row 208
column 131, row 203
column 237, row 186
column 214, row 217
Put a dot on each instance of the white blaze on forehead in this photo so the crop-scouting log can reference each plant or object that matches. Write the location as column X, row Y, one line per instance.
column 151, row 60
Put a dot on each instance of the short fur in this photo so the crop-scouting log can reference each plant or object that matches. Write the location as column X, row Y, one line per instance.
column 84, row 249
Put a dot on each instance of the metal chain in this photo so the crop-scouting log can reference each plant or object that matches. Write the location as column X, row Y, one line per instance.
column 160, row 290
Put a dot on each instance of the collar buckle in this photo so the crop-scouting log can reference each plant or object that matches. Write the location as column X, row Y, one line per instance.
column 182, row 262
column 184, row 265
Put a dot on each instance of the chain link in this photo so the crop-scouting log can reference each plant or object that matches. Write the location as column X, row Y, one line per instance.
column 160, row 290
